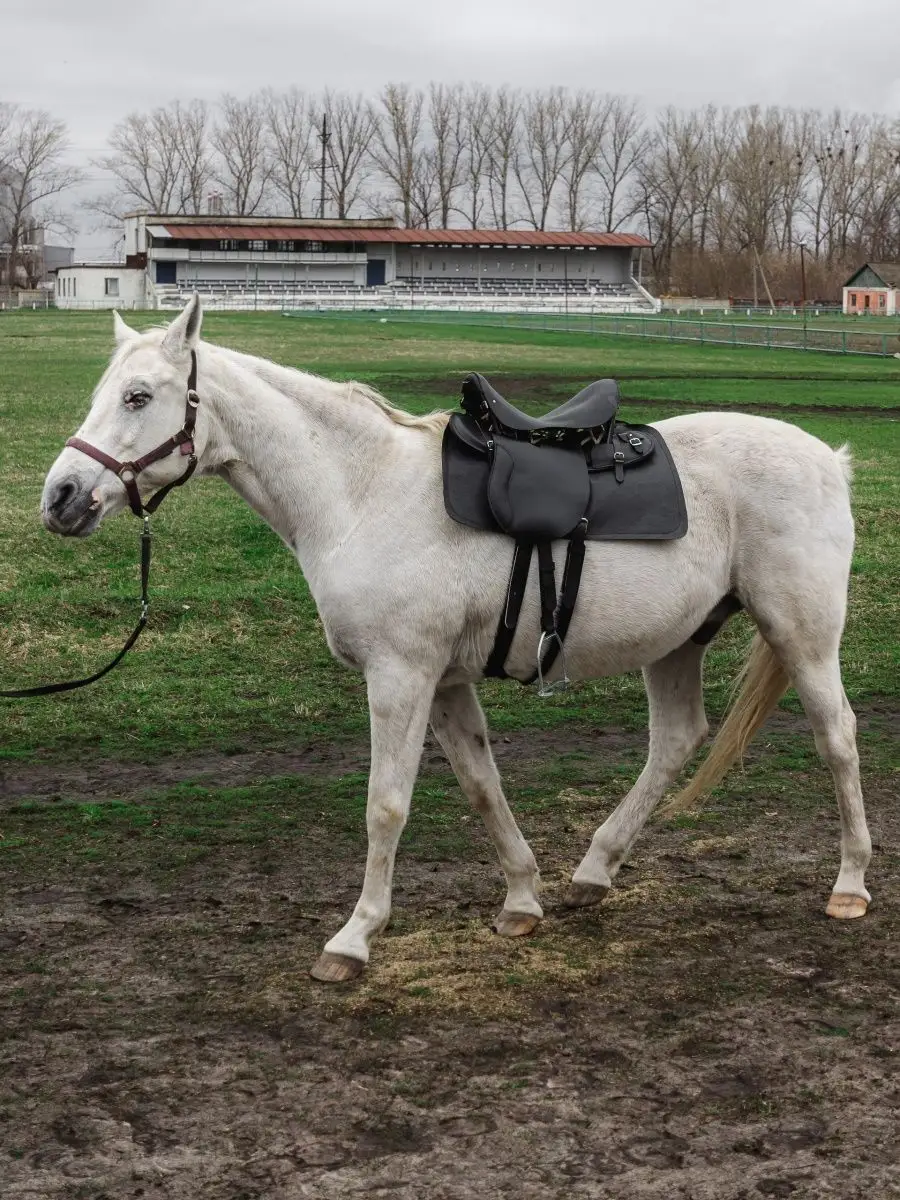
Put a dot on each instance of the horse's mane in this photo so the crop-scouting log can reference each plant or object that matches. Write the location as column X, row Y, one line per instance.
column 287, row 379
column 433, row 421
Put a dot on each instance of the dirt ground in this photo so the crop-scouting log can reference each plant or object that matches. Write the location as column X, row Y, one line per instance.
column 706, row 1034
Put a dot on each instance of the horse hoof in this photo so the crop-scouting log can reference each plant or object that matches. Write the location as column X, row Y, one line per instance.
column 844, row 906
column 336, row 968
column 510, row 924
column 580, row 895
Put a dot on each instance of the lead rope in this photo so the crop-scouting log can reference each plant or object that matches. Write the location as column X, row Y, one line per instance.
column 128, row 473
column 49, row 689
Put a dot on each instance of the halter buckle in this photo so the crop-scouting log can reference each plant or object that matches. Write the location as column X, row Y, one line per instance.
column 192, row 398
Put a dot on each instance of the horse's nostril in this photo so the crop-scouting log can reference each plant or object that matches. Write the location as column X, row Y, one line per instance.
column 63, row 496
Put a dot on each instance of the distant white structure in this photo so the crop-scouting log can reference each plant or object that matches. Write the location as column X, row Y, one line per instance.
column 276, row 262
column 100, row 285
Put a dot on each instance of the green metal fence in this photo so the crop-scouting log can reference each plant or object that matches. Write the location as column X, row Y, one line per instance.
column 881, row 342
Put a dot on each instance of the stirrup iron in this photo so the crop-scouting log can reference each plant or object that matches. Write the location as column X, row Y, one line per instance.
column 559, row 685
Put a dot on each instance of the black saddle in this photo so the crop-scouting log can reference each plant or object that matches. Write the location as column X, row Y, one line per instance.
column 576, row 474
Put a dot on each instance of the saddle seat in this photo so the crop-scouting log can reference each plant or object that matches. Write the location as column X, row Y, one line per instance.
column 592, row 408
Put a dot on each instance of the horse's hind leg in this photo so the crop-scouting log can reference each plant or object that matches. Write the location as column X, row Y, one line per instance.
column 460, row 727
column 677, row 728
column 818, row 684
column 802, row 619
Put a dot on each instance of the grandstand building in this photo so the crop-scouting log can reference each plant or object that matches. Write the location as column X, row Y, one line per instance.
column 277, row 262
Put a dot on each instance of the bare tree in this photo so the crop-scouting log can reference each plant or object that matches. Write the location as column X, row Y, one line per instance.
column 755, row 175
column 351, row 128
column 477, row 136
column 244, row 166
column 33, row 172
column 587, row 121
column 446, row 114
column 663, row 187
column 503, row 141
column 623, row 145
column 545, row 152
column 289, row 124
column 397, row 147
column 144, row 163
column 195, row 169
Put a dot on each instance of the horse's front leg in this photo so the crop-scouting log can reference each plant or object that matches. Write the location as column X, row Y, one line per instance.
column 399, row 702
column 459, row 725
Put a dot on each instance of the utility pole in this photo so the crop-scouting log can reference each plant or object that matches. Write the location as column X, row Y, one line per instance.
column 803, row 287
column 324, row 138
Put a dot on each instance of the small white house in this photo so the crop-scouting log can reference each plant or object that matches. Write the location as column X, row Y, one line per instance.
column 100, row 285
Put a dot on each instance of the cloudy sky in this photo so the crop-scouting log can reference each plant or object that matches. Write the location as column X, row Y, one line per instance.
column 93, row 61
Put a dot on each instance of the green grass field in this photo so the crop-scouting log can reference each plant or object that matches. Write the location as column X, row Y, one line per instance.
column 235, row 658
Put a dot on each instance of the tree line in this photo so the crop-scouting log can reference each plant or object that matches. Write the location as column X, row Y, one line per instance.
column 715, row 190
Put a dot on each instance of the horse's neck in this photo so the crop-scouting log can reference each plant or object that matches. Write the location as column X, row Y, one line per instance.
column 299, row 450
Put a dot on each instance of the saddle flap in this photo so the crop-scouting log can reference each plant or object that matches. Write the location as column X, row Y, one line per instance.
column 538, row 492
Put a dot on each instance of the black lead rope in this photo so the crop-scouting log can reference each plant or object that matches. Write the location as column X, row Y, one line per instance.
column 128, row 472
column 49, row 689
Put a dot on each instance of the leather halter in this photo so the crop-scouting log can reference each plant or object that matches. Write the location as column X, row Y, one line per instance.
column 129, row 471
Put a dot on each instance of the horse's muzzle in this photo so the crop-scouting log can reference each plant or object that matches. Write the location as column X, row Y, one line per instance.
column 70, row 512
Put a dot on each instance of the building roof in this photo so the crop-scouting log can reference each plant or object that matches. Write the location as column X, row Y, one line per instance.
column 93, row 266
column 487, row 238
column 888, row 273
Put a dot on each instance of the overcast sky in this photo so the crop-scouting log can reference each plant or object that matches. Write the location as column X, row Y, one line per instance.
column 92, row 61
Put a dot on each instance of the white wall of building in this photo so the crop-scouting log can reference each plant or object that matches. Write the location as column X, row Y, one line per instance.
column 92, row 286
column 136, row 233
column 245, row 275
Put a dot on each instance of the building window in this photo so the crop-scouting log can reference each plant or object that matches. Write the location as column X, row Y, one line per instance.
column 228, row 244
column 882, row 299
column 868, row 300
column 257, row 245
column 315, row 247
column 111, row 286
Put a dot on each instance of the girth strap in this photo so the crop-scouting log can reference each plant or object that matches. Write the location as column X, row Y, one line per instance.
column 568, row 594
column 512, row 607
column 556, row 612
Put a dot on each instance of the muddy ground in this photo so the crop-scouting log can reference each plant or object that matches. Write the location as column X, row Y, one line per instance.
column 707, row 1034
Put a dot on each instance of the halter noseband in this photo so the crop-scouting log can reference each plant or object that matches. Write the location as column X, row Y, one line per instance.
column 129, row 471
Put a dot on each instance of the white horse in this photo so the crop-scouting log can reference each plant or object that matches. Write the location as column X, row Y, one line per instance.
column 411, row 599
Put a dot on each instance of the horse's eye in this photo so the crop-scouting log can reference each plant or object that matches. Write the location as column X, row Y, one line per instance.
column 137, row 399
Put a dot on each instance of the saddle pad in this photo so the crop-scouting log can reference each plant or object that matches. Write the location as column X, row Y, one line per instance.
column 648, row 505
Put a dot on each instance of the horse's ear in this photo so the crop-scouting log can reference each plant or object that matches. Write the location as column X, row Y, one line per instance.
column 184, row 332
column 123, row 333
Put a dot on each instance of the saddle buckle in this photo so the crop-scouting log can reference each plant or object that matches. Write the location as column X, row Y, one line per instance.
column 559, row 685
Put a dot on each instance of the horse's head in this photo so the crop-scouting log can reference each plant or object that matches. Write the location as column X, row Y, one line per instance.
column 138, row 404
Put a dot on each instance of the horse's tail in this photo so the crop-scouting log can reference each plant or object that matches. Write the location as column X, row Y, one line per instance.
column 761, row 683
